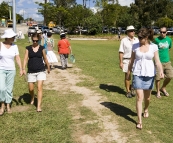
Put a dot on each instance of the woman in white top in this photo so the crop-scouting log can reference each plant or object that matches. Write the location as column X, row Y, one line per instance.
column 8, row 51
column 51, row 57
column 143, row 69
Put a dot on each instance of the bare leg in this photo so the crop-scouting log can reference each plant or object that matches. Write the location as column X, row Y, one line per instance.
column 8, row 108
column 127, row 83
column 40, row 94
column 165, row 83
column 2, row 108
column 139, row 100
column 147, row 94
column 31, row 91
column 157, row 82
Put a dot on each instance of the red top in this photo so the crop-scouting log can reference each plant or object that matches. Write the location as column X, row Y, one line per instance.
column 63, row 46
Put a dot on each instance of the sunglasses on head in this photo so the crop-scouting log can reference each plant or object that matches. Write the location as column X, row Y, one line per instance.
column 162, row 32
column 35, row 41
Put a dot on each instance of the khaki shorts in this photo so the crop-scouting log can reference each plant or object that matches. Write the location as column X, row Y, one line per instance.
column 33, row 77
column 167, row 70
column 125, row 65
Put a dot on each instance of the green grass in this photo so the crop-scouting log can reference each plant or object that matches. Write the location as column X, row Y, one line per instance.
column 99, row 61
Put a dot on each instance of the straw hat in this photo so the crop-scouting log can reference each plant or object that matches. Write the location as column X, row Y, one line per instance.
column 9, row 33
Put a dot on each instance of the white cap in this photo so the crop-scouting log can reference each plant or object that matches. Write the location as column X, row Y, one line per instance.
column 130, row 28
column 9, row 33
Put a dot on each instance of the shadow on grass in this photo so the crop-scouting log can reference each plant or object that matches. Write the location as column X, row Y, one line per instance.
column 120, row 110
column 26, row 97
column 153, row 92
column 112, row 88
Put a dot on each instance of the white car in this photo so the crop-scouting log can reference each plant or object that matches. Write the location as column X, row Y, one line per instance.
column 31, row 30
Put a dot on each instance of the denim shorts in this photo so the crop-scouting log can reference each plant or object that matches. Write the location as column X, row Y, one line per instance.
column 143, row 82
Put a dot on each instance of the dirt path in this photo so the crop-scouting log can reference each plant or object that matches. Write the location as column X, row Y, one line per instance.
column 66, row 80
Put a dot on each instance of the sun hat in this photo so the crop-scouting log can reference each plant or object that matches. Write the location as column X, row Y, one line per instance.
column 9, row 33
column 130, row 28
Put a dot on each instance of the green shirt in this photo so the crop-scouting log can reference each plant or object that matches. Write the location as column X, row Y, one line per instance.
column 164, row 44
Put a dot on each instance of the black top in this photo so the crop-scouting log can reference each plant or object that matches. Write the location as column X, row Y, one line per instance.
column 35, row 62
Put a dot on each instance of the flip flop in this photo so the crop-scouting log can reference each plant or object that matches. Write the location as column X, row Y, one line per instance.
column 164, row 93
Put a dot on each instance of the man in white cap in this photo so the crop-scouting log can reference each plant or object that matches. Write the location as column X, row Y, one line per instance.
column 125, row 51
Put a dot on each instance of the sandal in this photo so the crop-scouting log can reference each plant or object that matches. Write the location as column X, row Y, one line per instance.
column 128, row 95
column 146, row 114
column 164, row 93
column 139, row 126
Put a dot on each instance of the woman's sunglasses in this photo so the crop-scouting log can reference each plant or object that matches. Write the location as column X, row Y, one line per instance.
column 35, row 41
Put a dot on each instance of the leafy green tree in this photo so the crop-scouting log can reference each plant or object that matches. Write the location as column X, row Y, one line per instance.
column 4, row 9
column 164, row 21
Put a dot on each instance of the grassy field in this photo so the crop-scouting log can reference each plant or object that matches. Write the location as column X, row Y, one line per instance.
column 99, row 60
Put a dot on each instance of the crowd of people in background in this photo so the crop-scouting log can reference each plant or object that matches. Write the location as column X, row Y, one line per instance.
column 146, row 58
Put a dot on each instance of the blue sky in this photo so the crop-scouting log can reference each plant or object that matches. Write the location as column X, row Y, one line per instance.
column 28, row 8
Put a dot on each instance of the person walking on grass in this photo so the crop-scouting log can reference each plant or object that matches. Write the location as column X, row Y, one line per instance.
column 143, row 69
column 125, row 50
column 8, row 51
column 50, row 54
column 164, row 43
column 34, row 56
column 64, row 49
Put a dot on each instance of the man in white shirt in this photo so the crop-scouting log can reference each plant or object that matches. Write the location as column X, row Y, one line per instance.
column 125, row 51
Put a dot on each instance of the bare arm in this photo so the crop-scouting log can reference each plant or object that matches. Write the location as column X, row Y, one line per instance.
column 25, row 61
column 18, row 60
column 46, row 61
column 158, row 64
column 121, row 59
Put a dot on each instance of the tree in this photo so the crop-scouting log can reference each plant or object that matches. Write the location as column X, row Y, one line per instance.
column 4, row 9
column 164, row 21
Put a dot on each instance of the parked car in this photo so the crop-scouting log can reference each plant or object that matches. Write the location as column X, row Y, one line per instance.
column 31, row 30
column 105, row 30
column 156, row 30
column 9, row 23
column 113, row 30
column 84, row 30
column 45, row 28
column 57, row 30
column 40, row 26
column 170, row 31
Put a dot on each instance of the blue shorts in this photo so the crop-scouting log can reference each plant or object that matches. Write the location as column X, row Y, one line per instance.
column 143, row 82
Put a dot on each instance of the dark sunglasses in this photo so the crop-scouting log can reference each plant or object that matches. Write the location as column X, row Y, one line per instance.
column 35, row 41
column 131, row 30
column 162, row 32
column 140, row 38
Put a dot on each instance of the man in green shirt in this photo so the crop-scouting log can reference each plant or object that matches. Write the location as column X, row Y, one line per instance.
column 164, row 44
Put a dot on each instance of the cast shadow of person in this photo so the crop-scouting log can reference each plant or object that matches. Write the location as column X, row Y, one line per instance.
column 26, row 97
column 120, row 110
column 112, row 88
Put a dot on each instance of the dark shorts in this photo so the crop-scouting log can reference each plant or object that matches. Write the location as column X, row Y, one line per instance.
column 143, row 82
column 167, row 70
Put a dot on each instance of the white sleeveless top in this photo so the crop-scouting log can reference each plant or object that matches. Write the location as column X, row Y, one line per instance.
column 143, row 64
